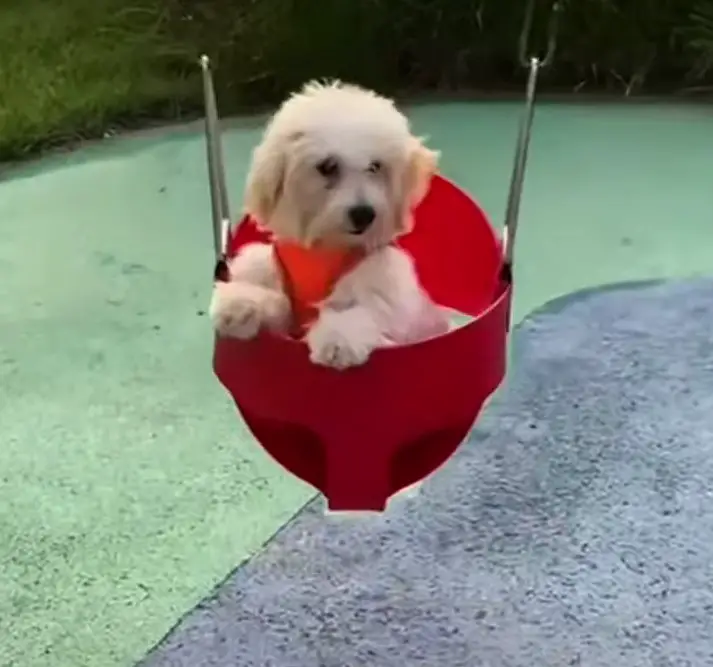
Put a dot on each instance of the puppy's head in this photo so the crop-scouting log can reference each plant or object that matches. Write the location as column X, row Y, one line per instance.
column 338, row 166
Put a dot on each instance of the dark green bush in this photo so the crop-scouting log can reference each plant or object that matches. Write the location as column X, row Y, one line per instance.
column 264, row 48
column 75, row 68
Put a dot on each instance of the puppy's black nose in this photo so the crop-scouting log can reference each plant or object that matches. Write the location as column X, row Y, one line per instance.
column 361, row 216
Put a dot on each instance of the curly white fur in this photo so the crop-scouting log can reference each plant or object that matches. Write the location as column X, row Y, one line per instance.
column 329, row 149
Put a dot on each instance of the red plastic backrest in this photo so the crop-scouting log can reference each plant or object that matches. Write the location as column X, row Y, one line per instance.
column 444, row 261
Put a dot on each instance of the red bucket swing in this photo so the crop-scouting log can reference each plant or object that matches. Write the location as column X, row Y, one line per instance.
column 361, row 435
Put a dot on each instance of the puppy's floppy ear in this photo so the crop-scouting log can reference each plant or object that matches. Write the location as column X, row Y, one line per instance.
column 265, row 179
column 422, row 167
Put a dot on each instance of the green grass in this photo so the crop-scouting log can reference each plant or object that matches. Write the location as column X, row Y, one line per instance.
column 71, row 68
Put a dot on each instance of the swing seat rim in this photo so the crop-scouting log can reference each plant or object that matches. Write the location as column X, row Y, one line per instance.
column 495, row 290
column 503, row 294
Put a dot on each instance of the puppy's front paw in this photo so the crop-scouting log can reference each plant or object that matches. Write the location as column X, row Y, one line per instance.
column 331, row 348
column 240, row 310
column 234, row 313
column 338, row 342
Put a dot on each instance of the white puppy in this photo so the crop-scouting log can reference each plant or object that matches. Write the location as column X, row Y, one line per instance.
column 337, row 168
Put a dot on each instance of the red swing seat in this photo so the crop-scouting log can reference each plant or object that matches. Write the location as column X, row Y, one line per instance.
column 361, row 435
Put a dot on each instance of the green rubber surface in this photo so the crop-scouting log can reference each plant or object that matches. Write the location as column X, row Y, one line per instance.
column 128, row 488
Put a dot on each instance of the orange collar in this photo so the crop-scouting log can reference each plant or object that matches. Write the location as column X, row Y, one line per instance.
column 309, row 276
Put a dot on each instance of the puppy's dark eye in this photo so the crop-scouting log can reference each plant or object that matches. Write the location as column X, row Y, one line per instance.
column 374, row 167
column 329, row 167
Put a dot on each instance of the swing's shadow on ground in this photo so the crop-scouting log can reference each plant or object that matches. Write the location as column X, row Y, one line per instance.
column 128, row 487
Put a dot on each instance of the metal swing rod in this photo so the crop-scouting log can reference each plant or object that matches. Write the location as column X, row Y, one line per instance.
column 216, row 167
column 533, row 64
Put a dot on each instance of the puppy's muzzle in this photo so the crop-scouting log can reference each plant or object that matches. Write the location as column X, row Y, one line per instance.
column 361, row 217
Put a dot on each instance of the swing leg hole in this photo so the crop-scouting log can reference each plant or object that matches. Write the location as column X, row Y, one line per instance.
column 301, row 451
column 294, row 447
column 418, row 459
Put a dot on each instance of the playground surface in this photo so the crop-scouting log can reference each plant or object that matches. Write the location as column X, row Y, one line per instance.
column 129, row 487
